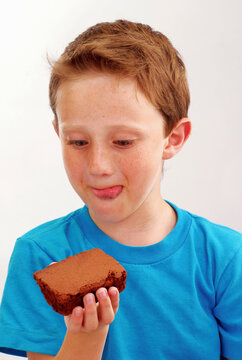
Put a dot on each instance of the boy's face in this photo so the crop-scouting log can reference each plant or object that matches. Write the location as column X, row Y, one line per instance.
column 112, row 143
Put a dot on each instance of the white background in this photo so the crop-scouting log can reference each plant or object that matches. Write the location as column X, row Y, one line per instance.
column 205, row 178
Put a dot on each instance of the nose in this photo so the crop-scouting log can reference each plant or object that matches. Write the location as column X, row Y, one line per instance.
column 100, row 161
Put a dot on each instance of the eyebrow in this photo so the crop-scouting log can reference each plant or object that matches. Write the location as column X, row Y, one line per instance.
column 77, row 128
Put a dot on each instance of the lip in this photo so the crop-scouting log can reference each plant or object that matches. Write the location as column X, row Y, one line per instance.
column 108, row 193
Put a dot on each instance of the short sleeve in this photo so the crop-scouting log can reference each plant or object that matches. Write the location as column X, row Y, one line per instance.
column 228, row 309
column 27, row 322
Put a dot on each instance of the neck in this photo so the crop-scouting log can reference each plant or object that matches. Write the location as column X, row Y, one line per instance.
column 142, row 228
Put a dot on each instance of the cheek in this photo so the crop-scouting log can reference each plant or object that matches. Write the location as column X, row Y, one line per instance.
column 72, row 163
column 141, row 165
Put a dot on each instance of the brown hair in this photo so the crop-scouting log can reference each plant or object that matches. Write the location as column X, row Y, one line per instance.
column 129, row 49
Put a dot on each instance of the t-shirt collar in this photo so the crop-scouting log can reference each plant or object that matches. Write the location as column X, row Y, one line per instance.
column 137, row 254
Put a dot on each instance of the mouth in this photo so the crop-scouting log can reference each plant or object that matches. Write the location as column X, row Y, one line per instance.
column 108, row 193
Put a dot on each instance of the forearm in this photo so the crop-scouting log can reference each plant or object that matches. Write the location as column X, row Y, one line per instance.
column 87, row 328
column 83, row 346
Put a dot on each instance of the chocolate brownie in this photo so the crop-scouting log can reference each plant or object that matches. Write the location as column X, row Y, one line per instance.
column 64, row 283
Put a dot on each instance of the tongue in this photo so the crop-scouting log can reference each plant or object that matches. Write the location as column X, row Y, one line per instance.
column 109, row 192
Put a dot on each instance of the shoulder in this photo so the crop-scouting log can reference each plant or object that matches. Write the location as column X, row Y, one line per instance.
column 204, row 231
column 52, row 226
column 217, row 246
column 213, row 247
column 216, row 234
column 55, row 239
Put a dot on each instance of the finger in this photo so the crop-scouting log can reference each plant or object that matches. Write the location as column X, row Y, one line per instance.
column 106, row 313
column 75, row 320
column 90, row 316
column 114, row 297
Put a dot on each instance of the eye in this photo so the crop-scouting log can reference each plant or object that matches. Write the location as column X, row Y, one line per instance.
column 123, row 143
column 78, row 143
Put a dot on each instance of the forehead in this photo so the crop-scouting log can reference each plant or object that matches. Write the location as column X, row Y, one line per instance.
column 95, row 96
column 96, row 85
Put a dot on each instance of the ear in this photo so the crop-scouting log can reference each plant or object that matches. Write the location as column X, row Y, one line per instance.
column 55, row 126
column 177, row 138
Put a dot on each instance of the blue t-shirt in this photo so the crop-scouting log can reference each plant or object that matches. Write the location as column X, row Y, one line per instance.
column 183, row 296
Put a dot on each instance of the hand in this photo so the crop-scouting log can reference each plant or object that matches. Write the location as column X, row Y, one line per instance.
column 94, row 316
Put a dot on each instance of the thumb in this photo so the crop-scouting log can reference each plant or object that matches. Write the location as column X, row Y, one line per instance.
column 74, row 321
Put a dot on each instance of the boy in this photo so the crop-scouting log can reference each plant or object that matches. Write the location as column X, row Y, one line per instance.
column 120, row 99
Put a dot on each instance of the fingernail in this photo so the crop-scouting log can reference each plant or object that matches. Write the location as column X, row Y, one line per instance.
column 89, row 299
column 102, row 293
column 78, row 311
column 114, row 291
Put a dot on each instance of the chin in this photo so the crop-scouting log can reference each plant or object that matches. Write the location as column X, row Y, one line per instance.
column 105, row 215
column 108, row 213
